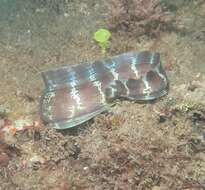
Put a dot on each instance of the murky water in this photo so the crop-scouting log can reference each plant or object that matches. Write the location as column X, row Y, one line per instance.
column 134, row 146
column 46, row 26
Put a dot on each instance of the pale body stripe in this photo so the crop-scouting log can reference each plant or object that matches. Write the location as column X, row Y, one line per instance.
column 112, row 69
column 74, row 92
column 72, row 110
column 152, row 58
column 47, row 100
column 147, row 88
column 96, row 83
column 127, row 89
column 133, row 67
column 160, row 74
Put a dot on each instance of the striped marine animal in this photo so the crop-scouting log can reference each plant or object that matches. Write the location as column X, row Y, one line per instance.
column 78, row 93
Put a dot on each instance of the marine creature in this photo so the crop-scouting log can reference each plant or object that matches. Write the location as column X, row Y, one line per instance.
column 78, row 93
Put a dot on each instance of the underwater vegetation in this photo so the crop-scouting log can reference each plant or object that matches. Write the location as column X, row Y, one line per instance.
column 139, row 17
column 102, row 36
column 147, row 17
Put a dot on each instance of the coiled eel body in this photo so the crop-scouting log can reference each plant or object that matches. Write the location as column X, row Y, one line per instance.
column 76, row 94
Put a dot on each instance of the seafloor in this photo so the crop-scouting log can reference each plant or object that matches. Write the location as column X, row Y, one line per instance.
column 158, row 145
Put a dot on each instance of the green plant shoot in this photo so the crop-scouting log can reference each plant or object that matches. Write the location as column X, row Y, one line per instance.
column 102, row 37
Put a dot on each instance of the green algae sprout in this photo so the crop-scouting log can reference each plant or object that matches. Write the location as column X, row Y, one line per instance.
column 102, row 37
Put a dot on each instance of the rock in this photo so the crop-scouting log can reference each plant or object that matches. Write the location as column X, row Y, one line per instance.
column 35, row 161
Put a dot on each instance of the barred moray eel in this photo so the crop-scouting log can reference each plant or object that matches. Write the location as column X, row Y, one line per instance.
column 76, row 94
